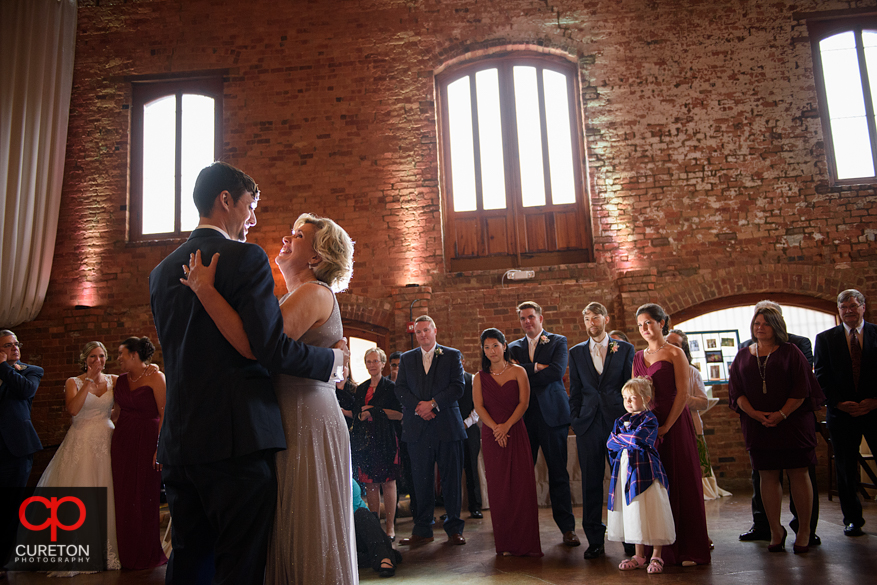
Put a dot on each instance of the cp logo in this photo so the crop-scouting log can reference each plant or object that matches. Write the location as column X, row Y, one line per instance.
column 52, row 505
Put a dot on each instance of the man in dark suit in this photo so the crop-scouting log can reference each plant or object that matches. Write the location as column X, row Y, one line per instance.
column 846, row 367
column 598, row 368
column 544, row 356
column 222, row 423
column 760, row 527
column 18, row 438
column 429, row 384
column 472, row 445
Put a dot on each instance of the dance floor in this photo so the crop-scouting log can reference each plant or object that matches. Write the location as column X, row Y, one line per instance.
column 840, row 559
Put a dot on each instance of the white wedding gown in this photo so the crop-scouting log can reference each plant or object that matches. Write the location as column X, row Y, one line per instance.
column 83, row 460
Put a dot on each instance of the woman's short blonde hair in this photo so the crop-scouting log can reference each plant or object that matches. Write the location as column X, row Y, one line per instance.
column 642, row 387
column 334, row 247
column 381, row 354
column 87, row 349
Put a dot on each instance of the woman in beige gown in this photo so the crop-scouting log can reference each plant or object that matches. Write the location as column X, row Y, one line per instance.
column 313, row 542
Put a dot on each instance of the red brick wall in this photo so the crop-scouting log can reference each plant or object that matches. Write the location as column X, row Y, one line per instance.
column 707, row 172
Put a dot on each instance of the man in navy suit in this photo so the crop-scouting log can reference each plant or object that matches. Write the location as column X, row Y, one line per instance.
column 222, row 423
column 18, row 438
column 429, row 384
column 598, row 368
column 544, row 356
column 846, row 367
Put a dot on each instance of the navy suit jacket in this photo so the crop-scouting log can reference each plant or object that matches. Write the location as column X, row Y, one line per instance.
column 444, row 384
column 221, row 405
column 17, row 389
column 834, row 366
column 547, row 384
column 590, row 392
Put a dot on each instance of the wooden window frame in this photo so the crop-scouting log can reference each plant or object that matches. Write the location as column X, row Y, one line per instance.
column 144, row 90
column 506, row 238
column 818, row 30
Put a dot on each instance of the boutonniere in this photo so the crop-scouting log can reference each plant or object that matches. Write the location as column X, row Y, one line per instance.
column 613, row 346
column 19, row 367
column 438, row 350
column 543, row 339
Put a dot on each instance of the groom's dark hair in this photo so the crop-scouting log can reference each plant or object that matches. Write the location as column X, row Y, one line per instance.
column 219, row 177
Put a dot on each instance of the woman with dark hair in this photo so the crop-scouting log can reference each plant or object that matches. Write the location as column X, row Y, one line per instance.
column 774, row 390
column 501, row 394
column 83, row 459
column 140, row 398
column 668, row 369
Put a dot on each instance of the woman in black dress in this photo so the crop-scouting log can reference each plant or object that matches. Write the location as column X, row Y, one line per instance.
column 373, row 442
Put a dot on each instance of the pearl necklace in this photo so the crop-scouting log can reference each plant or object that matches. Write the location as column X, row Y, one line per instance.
column 650, row 352
column 503, row 370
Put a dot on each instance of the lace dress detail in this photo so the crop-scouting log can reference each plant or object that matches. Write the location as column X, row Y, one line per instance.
column 83, row 460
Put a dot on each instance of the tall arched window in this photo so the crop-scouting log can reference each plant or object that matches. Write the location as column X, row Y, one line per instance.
column 176, row 130
column 512, row 163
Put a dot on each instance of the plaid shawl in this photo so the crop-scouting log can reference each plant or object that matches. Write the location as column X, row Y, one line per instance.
column 643, row 464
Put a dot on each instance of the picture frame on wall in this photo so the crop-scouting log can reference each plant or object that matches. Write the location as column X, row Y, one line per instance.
column 693, row 345
column 716, row 371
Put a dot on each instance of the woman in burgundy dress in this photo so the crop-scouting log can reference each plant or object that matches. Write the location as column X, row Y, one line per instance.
column 668, row 368
column 140, row 397
column 501, row 394
column 774, row 390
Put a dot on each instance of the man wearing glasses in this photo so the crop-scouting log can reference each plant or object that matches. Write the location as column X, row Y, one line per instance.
column 18, row 438
column 846, row 367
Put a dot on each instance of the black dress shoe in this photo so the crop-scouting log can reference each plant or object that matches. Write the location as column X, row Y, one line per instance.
column 443, row 517
column 755, row 534
column 629, row 549
column 477, row 514
column 814, row 540
column 853, row 530
column 594, row 551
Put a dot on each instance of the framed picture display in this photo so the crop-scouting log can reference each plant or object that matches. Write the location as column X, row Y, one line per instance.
column 712, row 353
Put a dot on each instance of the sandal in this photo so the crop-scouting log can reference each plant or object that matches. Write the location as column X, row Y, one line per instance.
column 632, row 563
column 387, row 569
column 656, row 565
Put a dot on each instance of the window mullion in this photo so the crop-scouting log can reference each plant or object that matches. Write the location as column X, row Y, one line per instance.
column 178, row 164
column 543, row 130
column 866, row 91
column 476, row 144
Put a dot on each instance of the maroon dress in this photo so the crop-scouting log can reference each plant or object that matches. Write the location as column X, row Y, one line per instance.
column 136, row 484
column 511, row 480
column 678, row 451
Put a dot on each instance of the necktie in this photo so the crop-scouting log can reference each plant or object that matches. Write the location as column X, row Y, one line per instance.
column 856, row 355
column 532, row 345
column 598, row 358
column 427, row 361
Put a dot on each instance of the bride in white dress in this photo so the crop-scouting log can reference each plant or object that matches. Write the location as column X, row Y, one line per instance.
column 83, row 459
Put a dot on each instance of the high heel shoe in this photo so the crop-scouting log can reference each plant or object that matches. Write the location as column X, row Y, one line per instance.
column 799, row 550
column 779, row 547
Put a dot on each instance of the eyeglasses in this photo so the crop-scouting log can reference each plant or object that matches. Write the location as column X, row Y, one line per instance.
column 855, row 307
column 6, row 346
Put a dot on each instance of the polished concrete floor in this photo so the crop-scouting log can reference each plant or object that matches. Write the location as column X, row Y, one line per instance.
column 840, row 559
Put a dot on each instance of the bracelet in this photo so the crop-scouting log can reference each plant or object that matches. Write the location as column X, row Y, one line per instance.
column 783, row 414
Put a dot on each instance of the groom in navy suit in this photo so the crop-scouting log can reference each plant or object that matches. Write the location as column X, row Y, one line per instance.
column 598, row 368
column 846, row 367
column 222, row 422
column 429, row 384
column 544, row 356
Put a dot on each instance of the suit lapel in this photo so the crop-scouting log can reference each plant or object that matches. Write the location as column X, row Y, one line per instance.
column 539, row 346
column 590, row 361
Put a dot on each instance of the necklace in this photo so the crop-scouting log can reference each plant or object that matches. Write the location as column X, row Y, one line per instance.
column 503, row 369
column 650, row 352
column 762, row 371
column 133, row 380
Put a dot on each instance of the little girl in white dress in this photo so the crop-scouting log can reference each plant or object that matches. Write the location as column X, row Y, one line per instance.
column 639, row 507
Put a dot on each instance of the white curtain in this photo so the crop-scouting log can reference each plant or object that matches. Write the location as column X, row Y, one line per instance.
column 37, row 43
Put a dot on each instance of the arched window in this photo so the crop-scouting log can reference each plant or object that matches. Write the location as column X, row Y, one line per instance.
column 176, row 130
column 845, row 67
column 512, row 163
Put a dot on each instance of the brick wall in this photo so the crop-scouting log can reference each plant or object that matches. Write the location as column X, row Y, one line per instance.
column 707, row 172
